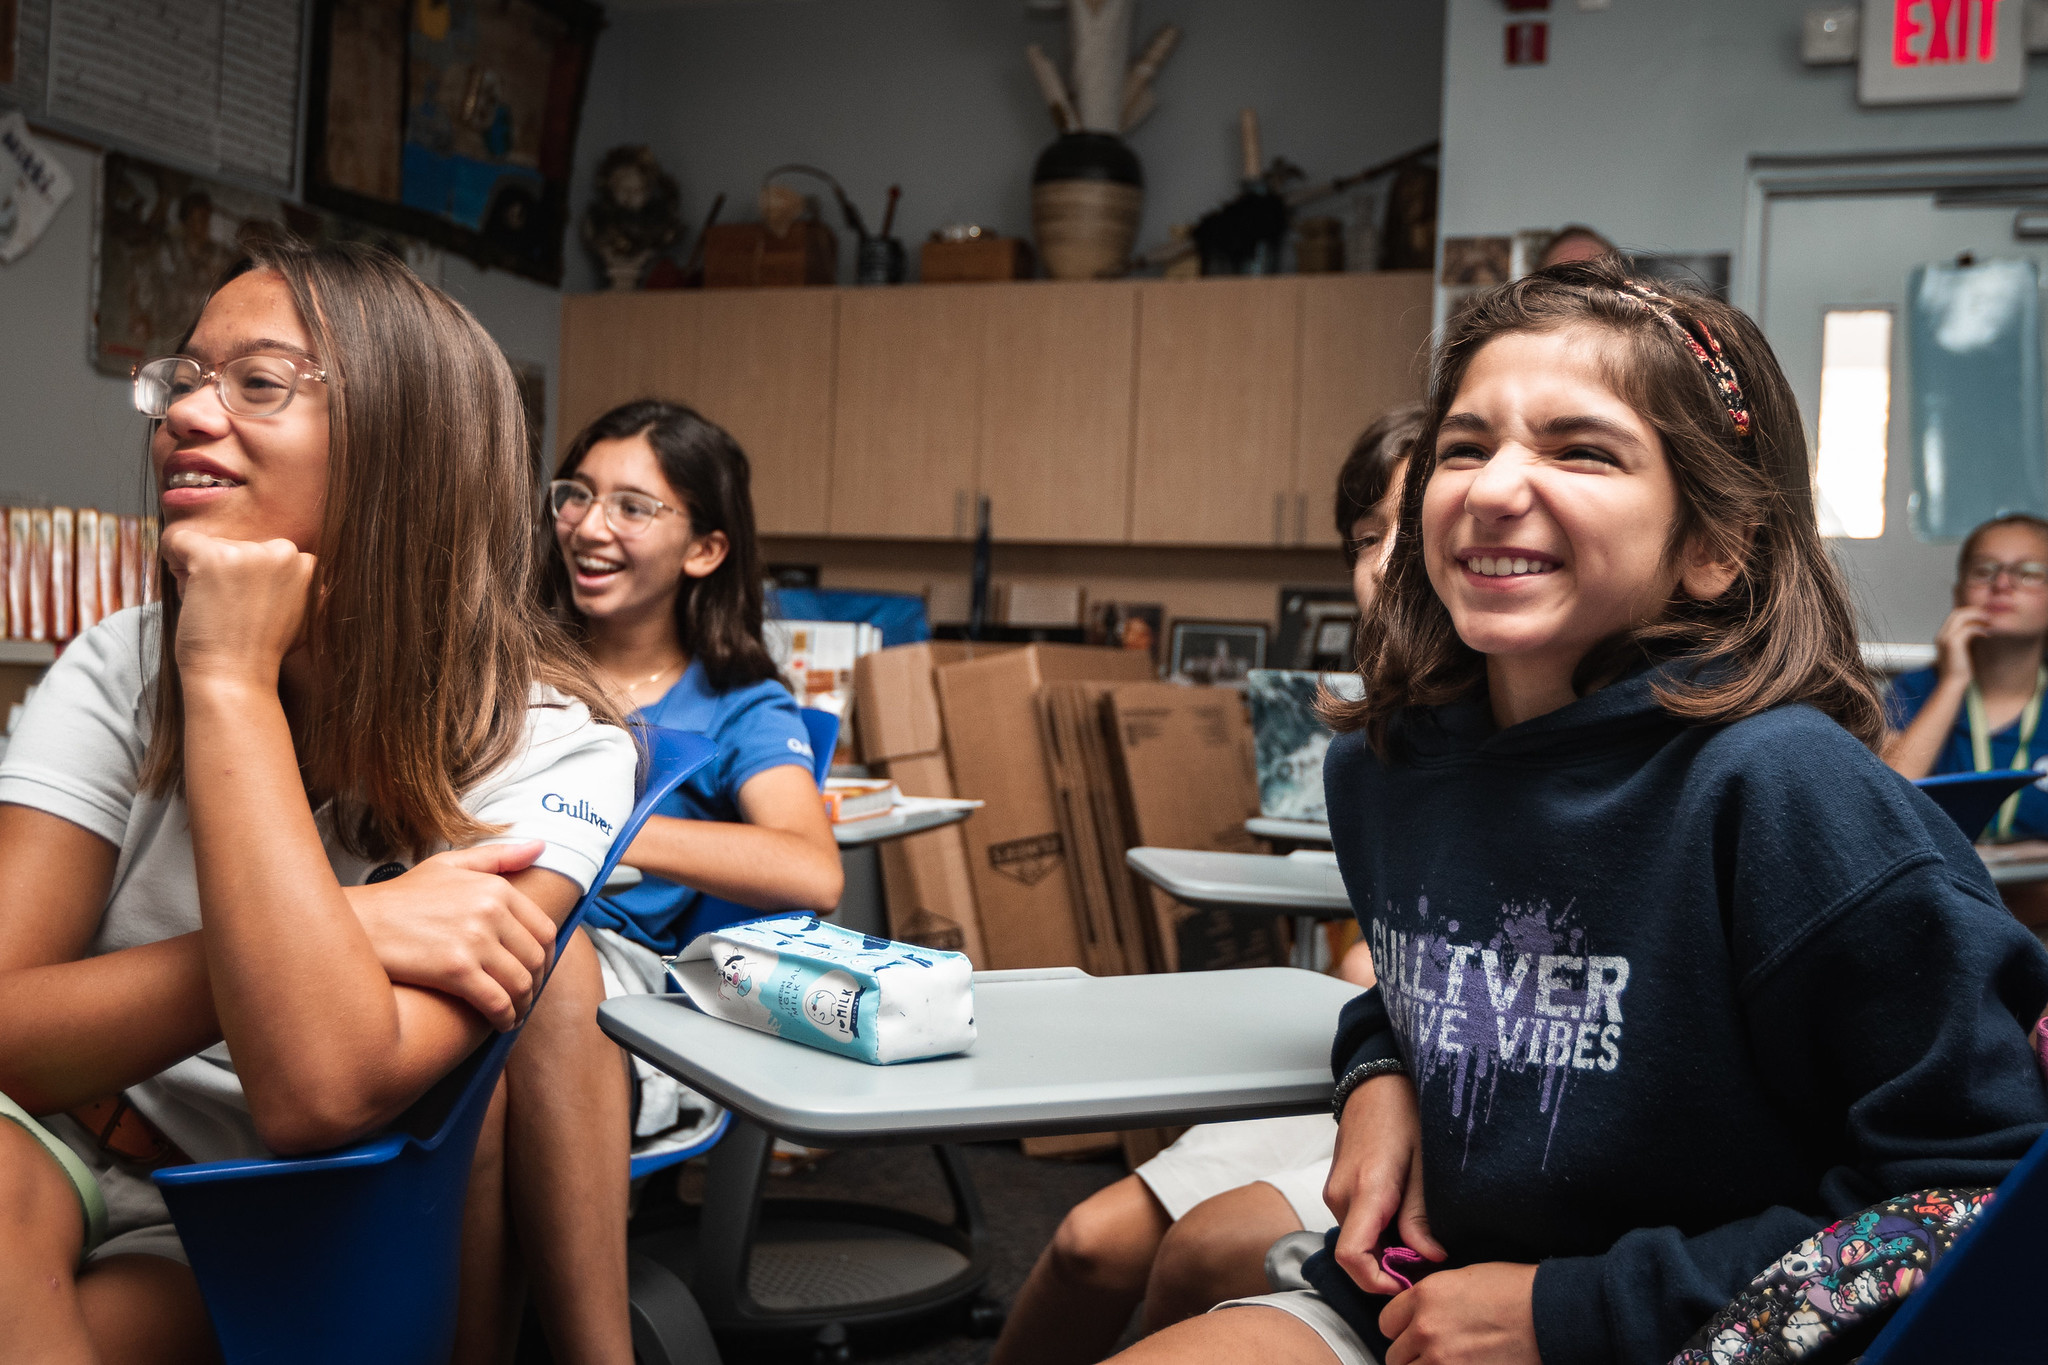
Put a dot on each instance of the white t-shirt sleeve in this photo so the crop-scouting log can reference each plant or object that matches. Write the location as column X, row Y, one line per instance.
column 572, row 788
column 77, row 752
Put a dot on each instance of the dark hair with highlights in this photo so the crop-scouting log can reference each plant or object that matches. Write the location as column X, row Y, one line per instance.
column 718, row 617
column 1370, row 468
column 424, row 626
column 1784, row 629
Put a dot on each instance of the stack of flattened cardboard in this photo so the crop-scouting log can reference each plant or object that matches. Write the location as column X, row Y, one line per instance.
column 1190, row 781
column 1016, row 850
column 924, row 878
column 1083, row 763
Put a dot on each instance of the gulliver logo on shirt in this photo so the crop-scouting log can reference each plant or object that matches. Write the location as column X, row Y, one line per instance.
column 579, row 809
column 1549, row 1005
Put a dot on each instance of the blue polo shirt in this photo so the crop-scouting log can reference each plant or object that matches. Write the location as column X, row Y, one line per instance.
column 756, row 727
column 1910, row 691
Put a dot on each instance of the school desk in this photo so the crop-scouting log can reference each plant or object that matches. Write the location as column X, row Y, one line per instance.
column 1056, row 1051
column 1303, row 885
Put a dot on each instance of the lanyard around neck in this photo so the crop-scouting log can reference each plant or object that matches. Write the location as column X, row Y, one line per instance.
column 1980, row 741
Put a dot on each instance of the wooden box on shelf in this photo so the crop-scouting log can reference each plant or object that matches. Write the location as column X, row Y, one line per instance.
column 747, row 255
column 976, row 260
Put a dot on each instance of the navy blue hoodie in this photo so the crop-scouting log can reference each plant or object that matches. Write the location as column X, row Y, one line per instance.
column 1672, row 996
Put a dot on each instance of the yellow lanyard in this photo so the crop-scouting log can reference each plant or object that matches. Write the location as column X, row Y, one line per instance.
column 1980, row 742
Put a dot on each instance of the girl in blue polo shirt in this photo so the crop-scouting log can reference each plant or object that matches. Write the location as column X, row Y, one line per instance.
column 1979, row 707
column 658, row 572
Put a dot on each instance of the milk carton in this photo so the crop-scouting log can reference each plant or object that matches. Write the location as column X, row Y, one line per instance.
column 800, row 978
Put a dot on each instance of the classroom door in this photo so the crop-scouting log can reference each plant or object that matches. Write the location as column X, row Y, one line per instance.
column 1830, row 252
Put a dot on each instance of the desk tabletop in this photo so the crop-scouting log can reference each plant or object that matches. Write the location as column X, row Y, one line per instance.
column 2011, row 864
column 898, row 824
column 1248, row 883
column 1057, row 1051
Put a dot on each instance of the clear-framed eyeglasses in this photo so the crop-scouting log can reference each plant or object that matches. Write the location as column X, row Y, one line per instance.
column 249, row 385
column 628, row 514
column 2026, row 573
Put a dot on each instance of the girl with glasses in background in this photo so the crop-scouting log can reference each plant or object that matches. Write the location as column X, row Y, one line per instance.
column 657, row 571
column 1979, row 707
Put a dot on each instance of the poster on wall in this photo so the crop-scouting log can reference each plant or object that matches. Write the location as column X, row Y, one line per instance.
column 165, row 239
column 33, row 186
column 452, row 120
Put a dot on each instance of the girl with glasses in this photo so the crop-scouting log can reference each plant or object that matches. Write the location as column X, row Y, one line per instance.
column 656, row 570
column 1978, row 708
column 278, row 852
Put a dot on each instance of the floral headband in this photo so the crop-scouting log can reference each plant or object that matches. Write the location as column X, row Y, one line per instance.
column 1703, row 346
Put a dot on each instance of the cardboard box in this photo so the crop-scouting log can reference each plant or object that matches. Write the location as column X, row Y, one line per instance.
column 1190, row 782
column 929, row 894
column 996, row 753
column 925, row 881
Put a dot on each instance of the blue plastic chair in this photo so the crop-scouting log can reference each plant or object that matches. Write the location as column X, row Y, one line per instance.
column 1972, row 799
column 823, row 729
column 353, row 1256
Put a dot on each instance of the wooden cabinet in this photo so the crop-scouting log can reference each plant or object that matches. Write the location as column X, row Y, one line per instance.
column 757, row 363
column 1056, row 400
column 764, row 371
column 1218, row 366
column 620, row 346
column 1364, row 349
column 907, row 411
column 1210, row 412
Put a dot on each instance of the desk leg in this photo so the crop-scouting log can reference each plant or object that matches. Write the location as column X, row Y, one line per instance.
column 1306, row 927
column 732, row 1203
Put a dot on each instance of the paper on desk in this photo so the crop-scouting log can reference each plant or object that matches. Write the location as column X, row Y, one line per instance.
column 868, row 998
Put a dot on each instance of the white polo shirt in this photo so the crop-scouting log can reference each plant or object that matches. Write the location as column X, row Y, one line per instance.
column 77, row 754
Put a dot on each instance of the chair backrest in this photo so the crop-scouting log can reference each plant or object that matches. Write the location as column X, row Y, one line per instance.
column 353, row 1255
column 823, row 728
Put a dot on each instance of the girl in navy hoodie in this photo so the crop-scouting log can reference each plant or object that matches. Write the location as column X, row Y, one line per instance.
column 1673, row 971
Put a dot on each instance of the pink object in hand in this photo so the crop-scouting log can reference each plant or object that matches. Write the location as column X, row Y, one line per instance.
column 2041, row 1044
column 1398, row 1261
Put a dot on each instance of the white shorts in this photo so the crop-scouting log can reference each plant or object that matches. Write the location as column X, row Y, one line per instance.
column 138, row 1223
column 1327, row 1322
column 668, row 1116
column 1292, row 1155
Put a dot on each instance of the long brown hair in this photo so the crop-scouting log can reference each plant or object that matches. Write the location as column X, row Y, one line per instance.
column 718, row 616
column 1782, row 632
column 425, row 629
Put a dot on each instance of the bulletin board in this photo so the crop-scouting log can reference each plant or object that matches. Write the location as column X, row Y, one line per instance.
column 452, row 120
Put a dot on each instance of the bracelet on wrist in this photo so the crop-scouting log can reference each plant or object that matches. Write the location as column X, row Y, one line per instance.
column 1359, row 1075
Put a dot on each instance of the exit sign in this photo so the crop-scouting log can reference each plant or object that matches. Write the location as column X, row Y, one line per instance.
column 1923, row 51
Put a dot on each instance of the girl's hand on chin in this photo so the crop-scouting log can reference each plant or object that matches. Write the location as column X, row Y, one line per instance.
column 242, row 604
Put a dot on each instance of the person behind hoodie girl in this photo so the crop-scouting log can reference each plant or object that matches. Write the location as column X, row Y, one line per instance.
column 277, row 852
column 1673, row 971
column 1191, row 1227
column 655, row 568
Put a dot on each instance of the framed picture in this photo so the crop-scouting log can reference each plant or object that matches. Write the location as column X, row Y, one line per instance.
column 1217, row 651
column 167, row 236
column 1126, row 625
column 452, row 120
column 1316, row 625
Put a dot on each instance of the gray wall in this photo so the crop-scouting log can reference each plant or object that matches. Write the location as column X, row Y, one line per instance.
column 67, row 433
column 1642, row 121
column 935, row 94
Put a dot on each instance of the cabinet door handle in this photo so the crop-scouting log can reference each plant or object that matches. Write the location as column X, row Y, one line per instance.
column 1301, row 518
column 1279, row 518
column 959, row 513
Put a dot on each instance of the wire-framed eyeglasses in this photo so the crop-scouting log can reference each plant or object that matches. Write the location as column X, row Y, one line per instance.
column 628, row 514
column 2026, row 573
column 249, row 385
